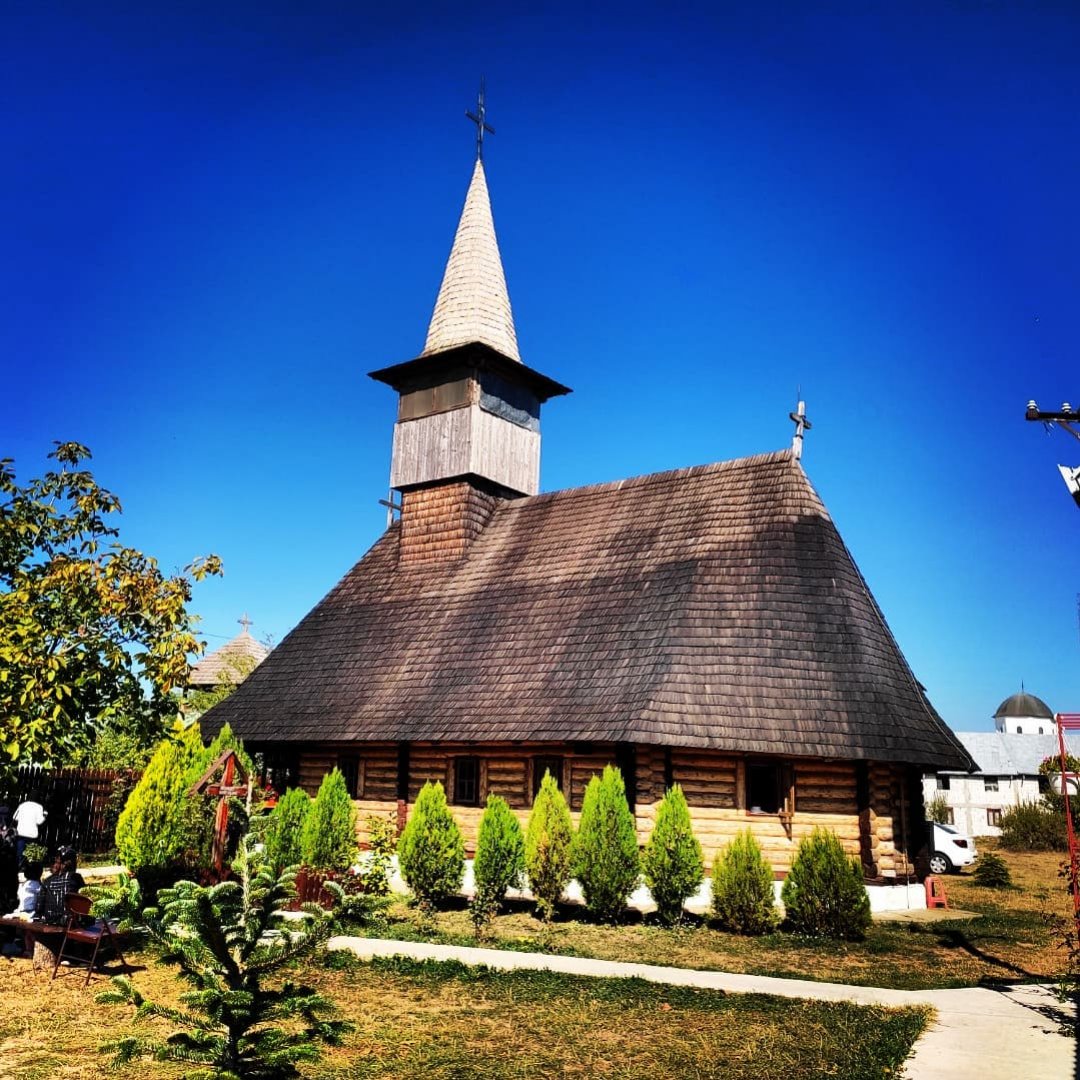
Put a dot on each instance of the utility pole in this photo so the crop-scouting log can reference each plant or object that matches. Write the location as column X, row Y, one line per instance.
column 1064, row 418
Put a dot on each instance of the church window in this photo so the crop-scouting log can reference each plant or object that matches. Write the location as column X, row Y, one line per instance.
column 349, row 764
column 770, row 788
column 542, row 765
column 466, row 781
column 990, row 783
column 993, row 816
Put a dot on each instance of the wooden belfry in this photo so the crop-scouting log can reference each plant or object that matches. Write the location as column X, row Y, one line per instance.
column 225, row 779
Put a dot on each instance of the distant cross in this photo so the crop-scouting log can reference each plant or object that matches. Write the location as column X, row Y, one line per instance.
column 481, row 125
column 245, row 622
column 801, row 424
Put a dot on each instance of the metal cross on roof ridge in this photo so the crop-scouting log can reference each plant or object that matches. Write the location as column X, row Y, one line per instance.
column 801, row 423
column 481, row 124
column 245, row 622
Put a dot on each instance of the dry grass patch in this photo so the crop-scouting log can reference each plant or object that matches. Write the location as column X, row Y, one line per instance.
column 447, row 1021
column 1011, row 942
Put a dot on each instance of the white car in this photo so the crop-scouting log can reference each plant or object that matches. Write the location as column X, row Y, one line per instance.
column 949, row 849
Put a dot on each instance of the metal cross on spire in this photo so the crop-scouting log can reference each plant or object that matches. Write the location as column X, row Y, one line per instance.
column 481, row 125
column 798, row 418
column 244, row 622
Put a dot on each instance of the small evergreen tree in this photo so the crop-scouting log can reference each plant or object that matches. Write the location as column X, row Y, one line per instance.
column 328, row 840
column 282, row 840
column 824, row 894
column 499, row 861
column 672, row 862
column 152, row 829
column 605, row 851
column 743, row 897
column 992, row 872
column 431, row 852
column 548, row 840
column 227, row 941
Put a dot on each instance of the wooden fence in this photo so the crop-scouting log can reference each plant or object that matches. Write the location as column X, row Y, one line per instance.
column 77, row 803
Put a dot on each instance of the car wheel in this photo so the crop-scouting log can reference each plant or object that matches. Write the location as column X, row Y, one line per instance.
column 939, row 863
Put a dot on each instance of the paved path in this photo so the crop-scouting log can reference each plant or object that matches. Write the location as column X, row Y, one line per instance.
column 1009, row 1034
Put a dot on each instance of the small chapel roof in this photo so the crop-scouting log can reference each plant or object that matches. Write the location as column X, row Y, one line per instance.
column 233, row 662
column 473, row 303
column 714, row 607
column 1023, row 704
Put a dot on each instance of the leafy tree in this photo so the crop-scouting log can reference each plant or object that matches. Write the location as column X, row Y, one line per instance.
column 672, row 861
column 605, row 851
column 282, row 840
column 743, row 897
column 548, row 842
column 499, row 861
column 235, row 669
column 328, row 841
column 824, row 894
column 153, row 828
column 92, row 634
column 431, row 851
column 937, row 809
column 228, row 941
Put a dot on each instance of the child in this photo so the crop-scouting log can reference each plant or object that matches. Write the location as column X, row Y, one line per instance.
column 29, row 891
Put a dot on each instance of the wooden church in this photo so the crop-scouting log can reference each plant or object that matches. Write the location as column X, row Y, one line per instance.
column 705, row 626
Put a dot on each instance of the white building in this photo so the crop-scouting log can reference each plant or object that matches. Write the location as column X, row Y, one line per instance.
column 1008, row 759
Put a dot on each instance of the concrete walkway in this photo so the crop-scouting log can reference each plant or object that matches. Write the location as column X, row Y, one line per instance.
column 1010, row 1034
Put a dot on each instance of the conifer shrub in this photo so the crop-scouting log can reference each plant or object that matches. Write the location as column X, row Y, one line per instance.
column 431, row 851
column 152, row 830
column 548, row 841
column 328, row 841
column 824, row 894
column 672, row 862
column 743, row 896
column 374, row 875
column 242, row 1015
column 605, row 855
column 500, row 859
column 992, row 872
column 282, row 838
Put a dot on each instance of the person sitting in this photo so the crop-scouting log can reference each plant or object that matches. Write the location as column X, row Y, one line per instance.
column 29, row 890
column 63, row 880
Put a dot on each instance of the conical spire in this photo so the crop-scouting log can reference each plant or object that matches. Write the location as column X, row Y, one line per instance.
column 473, row 304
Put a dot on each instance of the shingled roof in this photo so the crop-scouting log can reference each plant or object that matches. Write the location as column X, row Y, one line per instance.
column 231, row 663
column 713, row 606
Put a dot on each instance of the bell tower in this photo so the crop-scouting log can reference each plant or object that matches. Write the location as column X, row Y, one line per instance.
column 468, row 409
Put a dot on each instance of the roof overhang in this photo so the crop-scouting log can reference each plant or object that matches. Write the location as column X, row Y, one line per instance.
column 439, row 366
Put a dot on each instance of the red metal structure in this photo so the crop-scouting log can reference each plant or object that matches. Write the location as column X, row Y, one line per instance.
column 1069, row 722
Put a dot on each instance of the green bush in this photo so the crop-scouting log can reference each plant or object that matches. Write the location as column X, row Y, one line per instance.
column 500, row 851
column 824, row 892
column 1034, row 827
column 992, row 872
column 548, row 840
column 672, row 862
column 605, row 851
column 328, row 841
column 282, row 839
column 431, row 852
column 937, row 809
column 374, row 875
column 743, row 895
column 152, row 830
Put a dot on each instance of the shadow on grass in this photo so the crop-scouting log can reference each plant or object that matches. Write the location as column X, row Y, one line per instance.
column 958, row 939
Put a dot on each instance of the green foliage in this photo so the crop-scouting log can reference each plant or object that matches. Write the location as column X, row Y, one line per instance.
column 92, row 634
column 937, row 809
column 235, row 669
column 743, row 896
column 992, row 872
column 228, row 941
column 500, row 859
column 1034, row 827
column 672, row 862
column 35, row 855
column 605, row 851
column 153, row 828
column 824, row 894
column 1051, row 766
column 328, row 841
column 431, row 852
column 282, row 838
column 548, row 842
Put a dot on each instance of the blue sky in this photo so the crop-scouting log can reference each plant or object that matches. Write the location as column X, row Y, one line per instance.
column 217, row 223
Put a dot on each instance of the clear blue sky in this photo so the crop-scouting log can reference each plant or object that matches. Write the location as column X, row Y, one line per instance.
column 214, row 225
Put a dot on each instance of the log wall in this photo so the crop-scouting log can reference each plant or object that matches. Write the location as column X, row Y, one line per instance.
column 867, row 814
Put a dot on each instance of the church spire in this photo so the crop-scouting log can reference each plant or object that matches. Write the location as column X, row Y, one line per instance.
column 473, row 303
